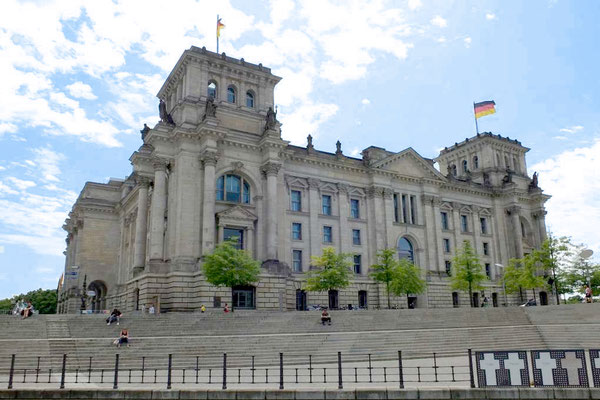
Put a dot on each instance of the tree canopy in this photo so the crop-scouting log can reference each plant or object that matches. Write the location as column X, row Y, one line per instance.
column 407, row 279
column 467, row 272
column 42, row 300
column 332, row 272
column 385, row 270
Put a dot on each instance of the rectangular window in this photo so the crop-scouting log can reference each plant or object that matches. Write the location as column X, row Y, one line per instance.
column 354, row 208
column 326, row 200
column 486, row 249
column 447, row 245
column 296, row 231
column 297, row 260
column 235, row 235
column 464, row 223
column 404, row 209
column 327, row 234
column 444, row 220
column 357, row 264
column 483, row 222
column 448, row 268
column 413, row 209
column 396, row 208
column 488, row 270
column 356, row 236
column 296, row 198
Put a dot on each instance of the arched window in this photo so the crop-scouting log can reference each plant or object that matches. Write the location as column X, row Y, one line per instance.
column 249, row 99
column 231, row 94
column 233, row 188
column 475, row 162
column 405, row 249
column 465, row 166
column 506, row 162
column 453, row 168
column 212, row 89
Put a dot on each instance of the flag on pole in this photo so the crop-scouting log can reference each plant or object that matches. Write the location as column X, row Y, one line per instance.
column 484, row 108
column 220, row 26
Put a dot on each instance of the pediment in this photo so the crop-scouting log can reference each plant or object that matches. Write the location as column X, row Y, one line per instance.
column 293, row 181
column 328, row 187
column 446, row 206
column 466, row 210
column 485, row 212
column 237, row 213
column 356, row 191
column 409, row 163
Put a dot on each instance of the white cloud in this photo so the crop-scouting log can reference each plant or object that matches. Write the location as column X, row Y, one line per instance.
column 467, row 42
column 355, row 152
column 1, row 249
column 305, row 120
column 365, row 101
column 20, row 183
column 490, row 16
column 571, row 179
column 560, row 137
column 439, row 21
column 2, row 168
column 47, row 161
column 81, row 90
column 414, row 4
column 441, row 39
column 572, row 129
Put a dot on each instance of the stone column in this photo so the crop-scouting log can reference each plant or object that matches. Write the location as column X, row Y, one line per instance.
column 540, row 220
column 379, row 218
column 388, row 216
column 457, row 227
column 431, row 229
column 344, row 234
column 271, row 169
column 250, row 241
column 209, row 159
column 314, row 209
column 514, row 212
column 157, row 210
column 477, row 231
column 139, row 255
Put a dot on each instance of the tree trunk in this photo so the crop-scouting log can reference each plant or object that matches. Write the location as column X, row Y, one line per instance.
column 471, row 295
column 534, row 296
column 387, row 289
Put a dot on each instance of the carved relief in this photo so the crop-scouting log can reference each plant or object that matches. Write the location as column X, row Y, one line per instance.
column 209, row 157
column 270, row 168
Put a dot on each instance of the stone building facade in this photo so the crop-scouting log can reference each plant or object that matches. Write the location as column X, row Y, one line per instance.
column 215, row 166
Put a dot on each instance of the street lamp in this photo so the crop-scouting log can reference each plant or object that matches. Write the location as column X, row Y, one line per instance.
column 585, row 254
column 503, row 284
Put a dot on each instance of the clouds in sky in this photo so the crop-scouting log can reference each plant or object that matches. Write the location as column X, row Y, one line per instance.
column 439, row 21
column 572, row 129
column 490, row 16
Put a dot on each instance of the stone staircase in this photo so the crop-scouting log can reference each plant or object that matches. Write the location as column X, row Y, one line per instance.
column 243, row 334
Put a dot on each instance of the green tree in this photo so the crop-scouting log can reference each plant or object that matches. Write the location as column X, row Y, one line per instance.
column 407, row 279
column 554, row 256
column 333, row 271
column 467, row 272
column 525, row 273
column 385, row 270
column 228, row 266
column 43, row 300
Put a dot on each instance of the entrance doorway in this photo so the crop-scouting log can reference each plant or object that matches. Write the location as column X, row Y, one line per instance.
column 455, row 300
column 99, row 298
column 362, row 299
column 495, row 299
column 543, row 298
column 301, row 300
column 333, row 299
column 475, row 299
column 412, row 302
column 244, row 297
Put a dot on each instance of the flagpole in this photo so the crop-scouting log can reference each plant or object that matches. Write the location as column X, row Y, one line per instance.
column 217, row 33
column 475, row 115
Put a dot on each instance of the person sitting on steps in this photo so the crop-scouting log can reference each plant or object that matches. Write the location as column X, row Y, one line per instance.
column 115, row 316
column 123, row 338
column 325, row 317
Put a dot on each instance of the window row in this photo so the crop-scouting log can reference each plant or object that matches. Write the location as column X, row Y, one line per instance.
column 327, row 234
column 464, row 223
column 326, row 204
column 487, row 267
column 405, row 208
column 465, row 166
column 232, row 96
column 447, row 248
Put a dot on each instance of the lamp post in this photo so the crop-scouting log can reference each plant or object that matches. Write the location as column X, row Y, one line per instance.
column 585, row 254
column 503, row 284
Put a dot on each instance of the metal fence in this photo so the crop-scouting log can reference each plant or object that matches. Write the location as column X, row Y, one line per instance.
column 361, row 370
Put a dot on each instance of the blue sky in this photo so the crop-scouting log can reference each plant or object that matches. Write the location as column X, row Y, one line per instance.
column 79, row 79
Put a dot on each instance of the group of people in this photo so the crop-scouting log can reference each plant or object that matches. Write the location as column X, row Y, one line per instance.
column 115, row 316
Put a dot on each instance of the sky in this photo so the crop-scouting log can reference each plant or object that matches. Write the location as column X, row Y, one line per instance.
column 79, row 79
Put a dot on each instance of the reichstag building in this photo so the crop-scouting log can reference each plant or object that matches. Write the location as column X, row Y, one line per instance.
column 216, row 167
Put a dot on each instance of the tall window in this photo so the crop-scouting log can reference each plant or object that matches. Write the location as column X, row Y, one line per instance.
column 506, row 162
column 465, row 166
column 404, row 209
column 296, row 198
column 327, row 238
column 486, row 249
column 464, row 223
column 356, row 236
column 483, row 223
column 354, row 208
column 235, row 235
column 413, row 209
column 446, row 243
column 250, row 99
column 405, row 249
column 296, row 231
column 396, row 208
column 488, row 270
column 453, row 168
column 233, row 188
column 475, row 162
column 326, row 200
column 231, row 94
column 244, row 297
column 357, row 264
column 448, row 268
column 297, row 260
column 444, row 220
column 212, row 90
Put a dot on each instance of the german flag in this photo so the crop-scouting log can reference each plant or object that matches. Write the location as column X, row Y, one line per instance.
column 220, row 26
column 484, row 108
